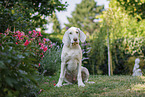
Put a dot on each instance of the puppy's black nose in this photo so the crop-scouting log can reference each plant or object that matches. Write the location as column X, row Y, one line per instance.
column 75, row 39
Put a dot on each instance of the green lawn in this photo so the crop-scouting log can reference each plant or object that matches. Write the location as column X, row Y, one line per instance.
column 114, row 86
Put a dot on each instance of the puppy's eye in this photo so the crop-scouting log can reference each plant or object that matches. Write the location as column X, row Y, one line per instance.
column 77, row 32
column 70, row 33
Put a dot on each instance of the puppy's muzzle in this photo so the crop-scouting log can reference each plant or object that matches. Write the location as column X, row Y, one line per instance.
column 75, row 41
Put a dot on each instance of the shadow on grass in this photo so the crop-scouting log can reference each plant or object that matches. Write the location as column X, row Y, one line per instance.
column 103, row 86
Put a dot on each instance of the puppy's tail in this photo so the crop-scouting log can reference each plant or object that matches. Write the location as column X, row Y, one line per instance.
column 90, row 82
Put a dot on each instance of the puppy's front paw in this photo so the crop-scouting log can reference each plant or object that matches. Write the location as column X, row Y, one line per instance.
column 81, row 85
column 58, row 85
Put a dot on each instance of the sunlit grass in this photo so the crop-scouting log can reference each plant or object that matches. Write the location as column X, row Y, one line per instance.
column 104, row 86
column 139, row 87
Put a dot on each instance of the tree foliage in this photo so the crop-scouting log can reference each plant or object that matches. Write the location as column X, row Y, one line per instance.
column 126, row 38
column 28, row 14
column 134, row 7
column 84, row 16
column 56, row 24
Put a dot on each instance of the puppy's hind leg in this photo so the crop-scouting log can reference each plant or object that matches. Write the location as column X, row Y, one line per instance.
column 85, row 75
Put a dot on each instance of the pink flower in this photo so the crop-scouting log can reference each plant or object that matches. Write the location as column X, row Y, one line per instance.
column 42, row 55
column 19, row 35
column 26, row 36
column 40, row 91
column 30, row 32
column 40, row 43
column 44, row 39
column 45, row 49
column 50, row 45
column 5, row 34
column 31, row 39
column 8, row 30
column 16, row 43
column 39, row 64
column 26, row 43
column 34, row 31
column 39, row 34
column 34, row 34
column 42, row 46
column 53, row 44
column 54, row 84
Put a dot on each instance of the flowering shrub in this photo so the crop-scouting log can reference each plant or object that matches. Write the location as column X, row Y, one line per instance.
column 52, row 60
column 20, row 55
column 86, row 47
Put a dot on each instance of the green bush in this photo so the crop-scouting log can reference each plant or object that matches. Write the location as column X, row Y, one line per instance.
column 20, row 55
column 54, row 37
column 124, row 52
column 52, row 61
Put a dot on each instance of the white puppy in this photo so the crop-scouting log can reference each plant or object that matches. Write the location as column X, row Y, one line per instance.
column 71, row 58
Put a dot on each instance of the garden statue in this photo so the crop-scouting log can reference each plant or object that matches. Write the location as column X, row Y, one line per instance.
column 136, row 70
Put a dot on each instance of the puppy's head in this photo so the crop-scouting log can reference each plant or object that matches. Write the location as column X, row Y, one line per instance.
column 72, row 36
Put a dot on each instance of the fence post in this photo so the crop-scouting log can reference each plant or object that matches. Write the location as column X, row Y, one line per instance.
column 108, row 52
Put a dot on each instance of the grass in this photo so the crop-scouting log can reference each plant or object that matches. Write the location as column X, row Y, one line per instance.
column 113, row 86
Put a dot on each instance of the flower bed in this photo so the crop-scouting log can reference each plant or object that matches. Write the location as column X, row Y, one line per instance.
column 20, row 54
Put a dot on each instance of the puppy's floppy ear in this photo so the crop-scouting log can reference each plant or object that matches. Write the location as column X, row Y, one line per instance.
column 82, row 35
column 65, row 39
